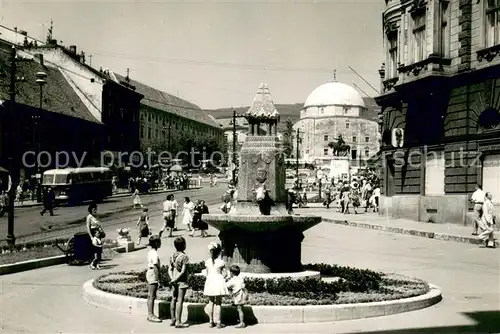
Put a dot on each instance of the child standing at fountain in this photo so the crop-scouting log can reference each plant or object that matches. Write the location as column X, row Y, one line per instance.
column 239, row 293
column 215, row 285
column 153, row 275
column 177, row 271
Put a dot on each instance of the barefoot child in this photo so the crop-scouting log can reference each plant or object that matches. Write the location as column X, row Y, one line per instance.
column 215, row 285
column 143, row 225
column 97, row 242
column 153, row 275
column 177, row 271
column 239, row 293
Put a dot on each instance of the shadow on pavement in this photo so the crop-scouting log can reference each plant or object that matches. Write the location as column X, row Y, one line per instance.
column 486, row 322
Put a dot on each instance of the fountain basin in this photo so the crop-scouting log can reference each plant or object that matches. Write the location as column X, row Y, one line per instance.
column 262, row 244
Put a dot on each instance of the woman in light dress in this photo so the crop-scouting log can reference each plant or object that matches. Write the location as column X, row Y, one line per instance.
column 215, row 285
column 187, row 215
column 137, row 199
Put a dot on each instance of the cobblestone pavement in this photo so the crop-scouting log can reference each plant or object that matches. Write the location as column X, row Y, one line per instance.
column 30, row 226
column 51, row 302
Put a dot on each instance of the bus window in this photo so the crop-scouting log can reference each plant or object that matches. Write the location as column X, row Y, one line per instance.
column 48, row 179
column 61, row 178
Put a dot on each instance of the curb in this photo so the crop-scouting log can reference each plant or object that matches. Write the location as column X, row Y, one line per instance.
column 118, row 195
column 195, row 313
column 407, row 231
column 12, row 268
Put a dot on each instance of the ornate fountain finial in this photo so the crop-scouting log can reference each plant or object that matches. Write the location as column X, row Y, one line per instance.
column 262, row 108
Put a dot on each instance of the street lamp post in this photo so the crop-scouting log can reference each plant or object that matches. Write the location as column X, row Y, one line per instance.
column 297, row 156
column 234, row 148
column 40, row 80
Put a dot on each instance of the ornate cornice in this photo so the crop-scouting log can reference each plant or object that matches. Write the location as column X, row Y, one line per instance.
column 389, row 83
column 489, row 53
column 417, row 7
column 391, row 28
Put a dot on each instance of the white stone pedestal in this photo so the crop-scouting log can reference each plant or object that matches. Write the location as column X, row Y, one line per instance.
column 339, row 166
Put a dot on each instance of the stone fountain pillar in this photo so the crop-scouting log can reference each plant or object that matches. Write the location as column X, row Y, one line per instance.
column 258, row 237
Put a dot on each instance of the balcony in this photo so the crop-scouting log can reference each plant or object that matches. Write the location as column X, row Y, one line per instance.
column 389, row 83
column 489, row 53
column 420, row 66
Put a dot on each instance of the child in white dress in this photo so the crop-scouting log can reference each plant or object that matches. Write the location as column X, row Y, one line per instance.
column 239, row 293
column 137, row 199
column 187, row 218
column 215, row 285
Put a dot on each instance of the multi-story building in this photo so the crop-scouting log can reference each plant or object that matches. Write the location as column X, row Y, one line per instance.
column 168, row 123
column 114, row 104
column 334, row 109
column 50, row 119
column 439, row 119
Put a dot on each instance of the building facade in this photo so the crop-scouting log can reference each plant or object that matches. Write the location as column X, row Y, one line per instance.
column 168, row 123
column 55, row 122
column 439, row 119
column 334, row 109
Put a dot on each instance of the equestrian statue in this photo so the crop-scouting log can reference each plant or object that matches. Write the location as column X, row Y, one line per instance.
column 340, row 148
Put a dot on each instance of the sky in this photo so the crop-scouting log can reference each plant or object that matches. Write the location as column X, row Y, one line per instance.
column 215, row 54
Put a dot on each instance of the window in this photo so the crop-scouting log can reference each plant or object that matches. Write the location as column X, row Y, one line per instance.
column 347, row 125
column 492, row 23
column 346, row 109
column 392, row 54
column 419, row 43
column 149, row 117
column 326, row 137
column 142, row 132
column 322, row 110
column 367, row 139
column 354, row 154
column 367, row 153
column 325, row 151
column 444, row 42
column 354, row 139
column 149, row 133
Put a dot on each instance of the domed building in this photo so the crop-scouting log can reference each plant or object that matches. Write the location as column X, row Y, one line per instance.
column 334, row 109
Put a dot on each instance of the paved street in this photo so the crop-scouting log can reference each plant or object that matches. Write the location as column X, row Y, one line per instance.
column 468, row 276
column 30, row 226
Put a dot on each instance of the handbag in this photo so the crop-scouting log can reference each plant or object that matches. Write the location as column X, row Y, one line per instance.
column 101, row 232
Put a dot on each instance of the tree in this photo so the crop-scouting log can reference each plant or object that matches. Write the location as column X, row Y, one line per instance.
column 288, row 138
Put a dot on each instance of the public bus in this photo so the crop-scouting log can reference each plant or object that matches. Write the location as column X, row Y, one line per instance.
column 76, row 185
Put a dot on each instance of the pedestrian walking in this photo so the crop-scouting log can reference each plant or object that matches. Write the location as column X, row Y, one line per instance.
column 143, row 225
column 177, row 271
column 175, row 207
column 187, row 214
column 215, row 285
column 153, row 276
column 477, row 198
column 198, row 224
column 487, row 222
column 49, row 200
column 168, row 214
column 137, row 199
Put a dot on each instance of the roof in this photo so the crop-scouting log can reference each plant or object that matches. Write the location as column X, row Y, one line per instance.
column 58, row 96
column 334, row 93
column 65, row 171
column 262, row 104
column 160, row 100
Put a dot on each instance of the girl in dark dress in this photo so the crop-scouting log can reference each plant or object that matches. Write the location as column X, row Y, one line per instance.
column 143, row 225
column 198, row 223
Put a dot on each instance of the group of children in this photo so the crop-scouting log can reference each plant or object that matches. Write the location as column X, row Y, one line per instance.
column 219, row 282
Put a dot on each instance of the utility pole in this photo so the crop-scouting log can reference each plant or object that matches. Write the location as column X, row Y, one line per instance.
column 13, row 145
column 234, row 147
column 297, row 156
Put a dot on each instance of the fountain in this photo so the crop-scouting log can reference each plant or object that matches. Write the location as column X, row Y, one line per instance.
column 259, row 234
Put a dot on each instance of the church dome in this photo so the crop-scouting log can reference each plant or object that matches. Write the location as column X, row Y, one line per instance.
column 334, row 93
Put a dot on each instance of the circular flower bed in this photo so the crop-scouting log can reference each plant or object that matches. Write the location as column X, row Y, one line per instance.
column 338, row 285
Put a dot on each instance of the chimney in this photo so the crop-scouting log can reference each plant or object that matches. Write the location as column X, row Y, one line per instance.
column 39, row 58
column 72, row 49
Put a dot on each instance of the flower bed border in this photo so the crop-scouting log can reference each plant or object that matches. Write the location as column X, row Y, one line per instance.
column 194, row 312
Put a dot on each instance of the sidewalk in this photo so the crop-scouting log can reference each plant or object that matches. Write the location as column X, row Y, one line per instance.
column 374, row 221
